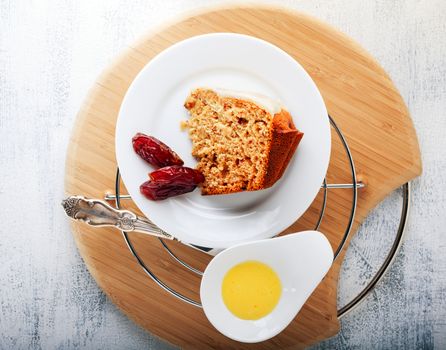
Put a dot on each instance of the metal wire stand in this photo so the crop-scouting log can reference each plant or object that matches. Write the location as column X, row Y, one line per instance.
column 354, row 186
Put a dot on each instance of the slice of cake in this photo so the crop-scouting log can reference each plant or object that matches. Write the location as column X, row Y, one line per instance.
column 243, row 141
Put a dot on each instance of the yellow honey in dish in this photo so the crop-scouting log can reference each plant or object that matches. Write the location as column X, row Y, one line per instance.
column 251, row 290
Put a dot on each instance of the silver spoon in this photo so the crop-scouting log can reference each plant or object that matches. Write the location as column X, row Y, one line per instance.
column 95, row 212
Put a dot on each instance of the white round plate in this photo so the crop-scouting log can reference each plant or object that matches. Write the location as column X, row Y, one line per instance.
column 154, row 105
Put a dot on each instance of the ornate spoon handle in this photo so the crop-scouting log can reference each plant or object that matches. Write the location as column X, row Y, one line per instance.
column 95, row 212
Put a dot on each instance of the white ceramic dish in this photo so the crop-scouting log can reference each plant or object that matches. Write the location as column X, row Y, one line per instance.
column 154, row 105
column 300, row 260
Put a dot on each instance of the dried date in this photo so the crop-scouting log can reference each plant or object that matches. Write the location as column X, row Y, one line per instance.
column 154, row 151
column 171, row 181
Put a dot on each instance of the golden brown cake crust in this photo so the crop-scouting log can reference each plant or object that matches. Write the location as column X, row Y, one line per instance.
column 284, row 141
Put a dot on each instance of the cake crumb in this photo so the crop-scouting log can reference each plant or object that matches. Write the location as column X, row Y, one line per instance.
column 184, row 124
column 230, row 140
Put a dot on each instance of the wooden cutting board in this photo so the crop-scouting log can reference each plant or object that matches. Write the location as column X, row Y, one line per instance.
column 359, row 96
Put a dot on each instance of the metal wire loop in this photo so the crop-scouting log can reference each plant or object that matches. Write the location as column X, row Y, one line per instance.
column 354, row 187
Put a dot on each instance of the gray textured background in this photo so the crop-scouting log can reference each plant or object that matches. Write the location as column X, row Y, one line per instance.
column 50, row 54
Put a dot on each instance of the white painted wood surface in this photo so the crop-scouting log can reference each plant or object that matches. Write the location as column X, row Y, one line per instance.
column 50, row 54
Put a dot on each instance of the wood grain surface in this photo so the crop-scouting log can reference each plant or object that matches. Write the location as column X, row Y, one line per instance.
column 359, row 96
